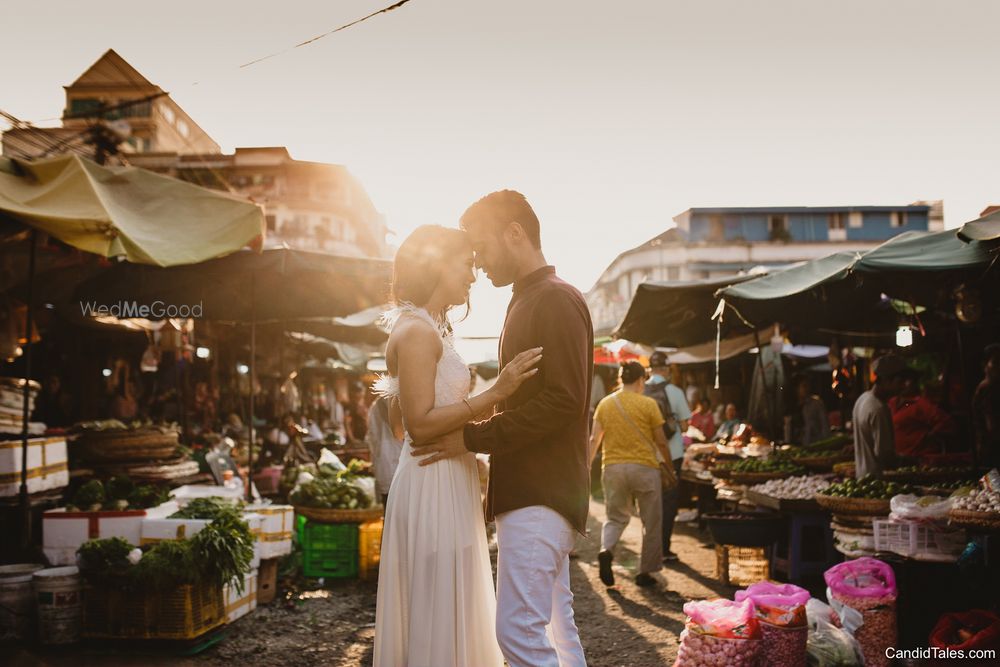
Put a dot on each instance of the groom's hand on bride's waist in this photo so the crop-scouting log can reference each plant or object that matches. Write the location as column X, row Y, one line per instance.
column 447, row 446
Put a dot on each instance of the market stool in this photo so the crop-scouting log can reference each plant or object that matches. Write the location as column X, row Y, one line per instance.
column 812, row 528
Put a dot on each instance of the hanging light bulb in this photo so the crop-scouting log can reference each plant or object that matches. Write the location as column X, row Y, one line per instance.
column 904, row 336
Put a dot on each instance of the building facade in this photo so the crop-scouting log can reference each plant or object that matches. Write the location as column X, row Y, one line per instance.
column 307, row 205
column 718, row 242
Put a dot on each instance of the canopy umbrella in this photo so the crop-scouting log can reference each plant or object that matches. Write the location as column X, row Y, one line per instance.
column 274, row 286
column 115, row 212
column 674, row 313
column 986, row 228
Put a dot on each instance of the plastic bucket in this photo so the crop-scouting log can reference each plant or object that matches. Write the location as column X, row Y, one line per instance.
column 17, row 601
column 57, row 591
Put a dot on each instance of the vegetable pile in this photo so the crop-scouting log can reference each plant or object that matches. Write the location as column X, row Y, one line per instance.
column 867, row 487
column 118, row 494
column 218, row 554
column 775, row 464
column 333, row 489
column 979, row 500
column 803, row 487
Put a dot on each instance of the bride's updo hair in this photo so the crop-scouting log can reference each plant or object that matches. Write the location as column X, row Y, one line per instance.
column 420, row 262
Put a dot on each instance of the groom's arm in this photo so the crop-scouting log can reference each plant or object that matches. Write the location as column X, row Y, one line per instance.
column 564, row 331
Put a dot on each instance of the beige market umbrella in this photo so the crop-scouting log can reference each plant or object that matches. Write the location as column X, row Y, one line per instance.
column 123, row 212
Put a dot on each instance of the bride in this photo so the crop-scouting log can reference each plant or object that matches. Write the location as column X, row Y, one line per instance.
column 436, row 604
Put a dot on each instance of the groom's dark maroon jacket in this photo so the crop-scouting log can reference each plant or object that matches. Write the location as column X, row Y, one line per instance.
column 538, row 440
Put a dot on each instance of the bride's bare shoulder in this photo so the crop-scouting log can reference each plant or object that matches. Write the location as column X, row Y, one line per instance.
column 413, row 334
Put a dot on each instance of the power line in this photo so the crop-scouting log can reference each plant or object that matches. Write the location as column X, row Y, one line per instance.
column 327, row 34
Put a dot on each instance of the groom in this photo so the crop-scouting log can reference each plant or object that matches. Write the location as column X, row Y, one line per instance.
column 537, row 440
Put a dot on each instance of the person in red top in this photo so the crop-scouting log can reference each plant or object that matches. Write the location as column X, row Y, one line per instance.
column 702, row 418
column 919, row 423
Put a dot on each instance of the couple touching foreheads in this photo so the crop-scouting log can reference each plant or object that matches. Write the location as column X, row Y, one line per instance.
column 436, row 602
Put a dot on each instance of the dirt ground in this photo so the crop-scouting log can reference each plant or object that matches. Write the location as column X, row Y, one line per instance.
column 334, row 626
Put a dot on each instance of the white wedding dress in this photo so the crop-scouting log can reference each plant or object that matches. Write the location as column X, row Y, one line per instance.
column 436, row 602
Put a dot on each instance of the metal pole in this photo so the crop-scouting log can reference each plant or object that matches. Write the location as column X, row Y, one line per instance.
column 25, row 412
column 253, row 354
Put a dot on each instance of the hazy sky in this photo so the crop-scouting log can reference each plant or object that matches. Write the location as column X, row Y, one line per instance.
column 612, row 117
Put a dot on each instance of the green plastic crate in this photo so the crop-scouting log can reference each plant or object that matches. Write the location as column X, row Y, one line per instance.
column 329, row 550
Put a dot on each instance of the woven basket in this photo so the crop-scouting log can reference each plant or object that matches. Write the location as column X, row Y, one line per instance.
column 975, row 519
column 928, row 476
column 823, row 463
column 145, row 445
column 863, row 506
column 324, row 515
column 845, row 469
column 757, row 477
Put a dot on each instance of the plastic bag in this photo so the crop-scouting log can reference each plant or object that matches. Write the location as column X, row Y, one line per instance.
column 723, row 618
column 779, row 604
column 920, row 508
column 326, row 457
column 828, row 645
column 863, row 579
column 971, row 630
column 868, row 586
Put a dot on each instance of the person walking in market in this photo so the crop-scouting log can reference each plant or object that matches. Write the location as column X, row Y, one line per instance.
column 874, row 439
column 676, row 413
column 630, row 427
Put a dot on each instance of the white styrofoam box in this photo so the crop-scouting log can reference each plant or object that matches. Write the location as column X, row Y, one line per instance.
column 157, row 530
column 276, row 533
column 163, row 511
column 255, row 522
column 47, row 467
column 238, row 606
column 63, row 532
column 185, row 494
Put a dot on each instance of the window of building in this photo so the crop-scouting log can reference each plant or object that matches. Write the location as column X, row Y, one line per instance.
column 83, row 105
column 349, row 234
column 776, row 223
column 855, row 220
column 836, row 221
column 183, row 128
column 168, row 114
column 271, row 222
column 673, row 273
column 716, row 229
column 898, row 219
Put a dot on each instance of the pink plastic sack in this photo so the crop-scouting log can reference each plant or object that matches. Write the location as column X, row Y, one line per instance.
column 862, row 578
column 723, row 618
column 778, row 604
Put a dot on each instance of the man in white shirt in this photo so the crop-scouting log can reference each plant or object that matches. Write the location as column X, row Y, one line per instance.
column 874, row 439
column 676, row 412
column 384, row 445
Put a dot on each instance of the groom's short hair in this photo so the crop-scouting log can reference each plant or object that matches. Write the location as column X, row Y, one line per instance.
column 498, row 209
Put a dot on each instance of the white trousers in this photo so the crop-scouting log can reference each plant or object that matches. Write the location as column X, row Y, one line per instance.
column 535, row 626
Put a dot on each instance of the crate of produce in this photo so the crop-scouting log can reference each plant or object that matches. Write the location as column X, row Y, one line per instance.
column 329, row 550
column 47, row 467
column 276, row 531
column 369, row 549
column 919, row 541
column 240, row 603
column 183, row 612
column 741, row 566
column 63, row 532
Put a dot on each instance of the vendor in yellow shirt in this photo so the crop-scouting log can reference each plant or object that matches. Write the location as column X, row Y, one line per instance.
column 628, row 426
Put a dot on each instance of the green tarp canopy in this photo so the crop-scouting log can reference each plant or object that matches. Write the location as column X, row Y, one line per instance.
column 986, row 228
column 844, row 290
column 674, row 313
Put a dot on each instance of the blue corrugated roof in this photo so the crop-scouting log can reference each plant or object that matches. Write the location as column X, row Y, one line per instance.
column 807, row 209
